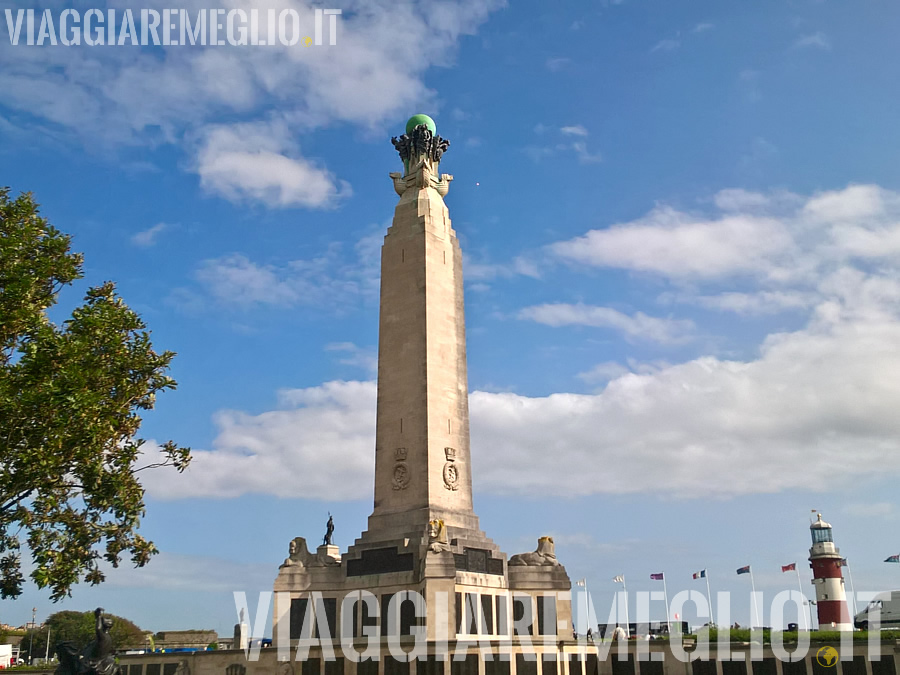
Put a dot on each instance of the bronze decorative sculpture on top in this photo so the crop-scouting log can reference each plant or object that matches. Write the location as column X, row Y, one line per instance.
column 97, row 658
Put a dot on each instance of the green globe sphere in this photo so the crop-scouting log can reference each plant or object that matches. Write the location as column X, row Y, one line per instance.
column 416, row 120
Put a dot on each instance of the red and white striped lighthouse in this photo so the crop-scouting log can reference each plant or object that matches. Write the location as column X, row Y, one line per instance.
column 825, row 561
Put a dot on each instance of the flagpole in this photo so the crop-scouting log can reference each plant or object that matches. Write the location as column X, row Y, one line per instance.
column 712, row 619
column 666, row 593
column 800, row 586
column 753, row 598
column 852, row 592
column 627, row 623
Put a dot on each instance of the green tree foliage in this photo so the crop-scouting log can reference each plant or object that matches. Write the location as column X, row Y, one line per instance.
column 77, row 628
column 70, row 398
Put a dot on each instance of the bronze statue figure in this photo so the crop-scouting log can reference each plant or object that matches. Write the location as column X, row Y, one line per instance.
column 329, row 531
column 97, row 658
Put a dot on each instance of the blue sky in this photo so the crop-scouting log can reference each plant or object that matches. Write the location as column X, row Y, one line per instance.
column 681, row 223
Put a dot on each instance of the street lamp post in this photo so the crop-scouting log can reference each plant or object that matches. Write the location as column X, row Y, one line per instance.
column 31, row 640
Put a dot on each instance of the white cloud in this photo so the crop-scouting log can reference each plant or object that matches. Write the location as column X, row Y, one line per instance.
column 638, row 325
column 850, row 204
column 259, row 162
column 575, row 130
column 554, row 65
column 584, row 156
column 756, row 303
column 319, row 446
column 871, row 510
column 703, row 27
column 485, row 271
column 666, row 45
column 568, row 147
column 679, row 245
column 818, row 40
column 816, row 410
column 355, row 356
column 172, row 571
column 235, row 280
column 147, row 238
column 109, row 97
column 604, row 372
column 332, row 279
column 736, row 199
column 777, row 239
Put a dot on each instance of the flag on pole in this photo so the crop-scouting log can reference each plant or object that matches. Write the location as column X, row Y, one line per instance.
column 657, row 577
column 893, row 558
column 787, row 568
column 744, row 570
column 843, row 563
column 700, row 575
column 619, row 579
column 581, row 582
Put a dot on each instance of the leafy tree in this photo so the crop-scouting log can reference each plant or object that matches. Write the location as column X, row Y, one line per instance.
column 70, row 398
column 78, row 628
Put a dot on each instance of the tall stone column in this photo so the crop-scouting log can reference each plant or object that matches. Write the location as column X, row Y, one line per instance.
column 422, row 462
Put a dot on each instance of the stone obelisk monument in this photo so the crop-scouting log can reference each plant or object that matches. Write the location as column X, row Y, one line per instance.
column 423, row 535
column 422, row 463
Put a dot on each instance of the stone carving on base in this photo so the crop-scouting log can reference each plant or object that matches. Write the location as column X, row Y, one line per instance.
column 183, row 668
column 543, row 556
column 298, row 553
column 236, row 669
column 97, row 658
column 437, row 537
column 286, row 668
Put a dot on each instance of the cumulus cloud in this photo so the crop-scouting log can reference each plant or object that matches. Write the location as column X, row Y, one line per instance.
column 147, row 238
column 776, row 239
column 319, row 445
column 574, row 130
column 680, row 245
column 109, row 97
column 757, row 303
column 355, row 356
column 816, row 40
column 260, row 162
column 666, row 45
column 827, row 393
column 638, row 325
column 332, row 279
column 485, row 271
column 813, row 408
column 569, row 147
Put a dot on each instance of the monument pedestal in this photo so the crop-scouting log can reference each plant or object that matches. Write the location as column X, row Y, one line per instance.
column 329, row 554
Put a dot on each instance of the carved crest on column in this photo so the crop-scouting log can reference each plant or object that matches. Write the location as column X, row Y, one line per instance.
column 451, row 470
column 400, row 480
